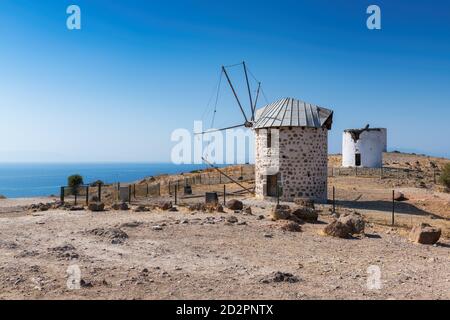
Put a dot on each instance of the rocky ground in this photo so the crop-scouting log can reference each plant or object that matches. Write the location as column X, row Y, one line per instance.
column 196, row 255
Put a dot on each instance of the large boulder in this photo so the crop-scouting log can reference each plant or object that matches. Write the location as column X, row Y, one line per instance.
column 120, row 206
column 354, row 222
column 425, row 234
column 281, row 212
column 304, row 202
column 307, row 214
column 338, row 229
column 234, row 204
column 165, row 205
column 96, row 206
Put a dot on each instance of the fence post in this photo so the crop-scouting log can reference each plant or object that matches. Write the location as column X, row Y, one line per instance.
column 129, row 193
column 134, row 191
column 87, row 195
column 170, row 193
column 356, row 171
column 118, row 190
column 334, row 201
column 434, row 175
column 99, row 195
column 146, row 191
column 224, row 194
column 278, row 194
column 393, row 207
column 159, row 189
column 176, row 189
column 61, row 196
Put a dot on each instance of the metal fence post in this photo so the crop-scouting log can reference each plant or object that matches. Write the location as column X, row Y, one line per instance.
column 129, row 193
column 87, row 195
column 61, row 196
column 224, row 194
column 118, row 190
column 146, row 191
column 278, row 194
column 334, row 201
column 393, row 207
column 134, row 191
column 176, row 189
column 99, row 194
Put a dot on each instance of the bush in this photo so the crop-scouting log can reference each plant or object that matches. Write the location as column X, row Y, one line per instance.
column 2, row 196
column 74, row 182
column 97, row 183
column 445, row 176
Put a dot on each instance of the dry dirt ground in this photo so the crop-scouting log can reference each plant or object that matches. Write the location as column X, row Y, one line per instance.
column 196, row 255
column 201, row 256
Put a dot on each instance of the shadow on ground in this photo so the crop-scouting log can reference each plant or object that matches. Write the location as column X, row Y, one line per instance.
column 386, row 206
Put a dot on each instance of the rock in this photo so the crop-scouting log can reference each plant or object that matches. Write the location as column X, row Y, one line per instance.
column 133, row 224
column 304, row 202
column 280, row 277
column 291, row 226
column 76, row 208
column 96, row 206
column 141, row 208
column 248, row 210
column 157, row 228
column 281, row 212
column 120, row 206
column 425, row 234
column 306, row 214
column 234, row 204
column 86, row 284
column 232, row 219
column 116, row 236
column 165, row 205
column 220, row 208
column 197, row 207
column 260, row 217
column 398, row 196
column 338, row 229
column 354, row 222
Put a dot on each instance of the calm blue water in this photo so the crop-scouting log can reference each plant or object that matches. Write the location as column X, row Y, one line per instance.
column 29, row 180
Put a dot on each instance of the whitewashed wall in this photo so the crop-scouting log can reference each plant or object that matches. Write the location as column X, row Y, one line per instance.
column 371, row 145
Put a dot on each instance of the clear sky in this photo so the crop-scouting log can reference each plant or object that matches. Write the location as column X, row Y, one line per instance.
column 137, row 70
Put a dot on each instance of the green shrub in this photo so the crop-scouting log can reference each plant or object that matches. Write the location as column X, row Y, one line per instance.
column 74, row 182
column 445, row 176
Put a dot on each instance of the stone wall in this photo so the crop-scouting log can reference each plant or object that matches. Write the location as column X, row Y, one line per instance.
column 301, row 162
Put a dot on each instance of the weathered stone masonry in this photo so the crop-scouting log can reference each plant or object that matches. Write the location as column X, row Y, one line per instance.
column 302, row 162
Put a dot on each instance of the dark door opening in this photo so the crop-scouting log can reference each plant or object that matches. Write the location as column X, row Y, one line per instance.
column 357, row 159
column 272, row 184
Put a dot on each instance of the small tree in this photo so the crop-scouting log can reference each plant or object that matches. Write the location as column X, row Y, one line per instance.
column 74, row 182
column 445, row 176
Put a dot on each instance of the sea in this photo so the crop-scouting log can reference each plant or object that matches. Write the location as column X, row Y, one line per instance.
column 43, row 179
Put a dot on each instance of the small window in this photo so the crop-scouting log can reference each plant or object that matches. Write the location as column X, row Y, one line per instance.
column 357, row 159
column 269, row 138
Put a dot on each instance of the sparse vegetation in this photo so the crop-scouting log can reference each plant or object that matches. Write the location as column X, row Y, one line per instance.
column 2, row 196
column 97, row 183
column 74, row 182
column 445, row 176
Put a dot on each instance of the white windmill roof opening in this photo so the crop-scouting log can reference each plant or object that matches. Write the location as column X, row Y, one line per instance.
column 289, row 112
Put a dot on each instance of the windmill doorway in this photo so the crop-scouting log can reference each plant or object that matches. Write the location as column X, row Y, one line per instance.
column 272, row 185
column 357, row 159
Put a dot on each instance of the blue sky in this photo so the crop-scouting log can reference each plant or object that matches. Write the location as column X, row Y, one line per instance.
column 137, row 70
